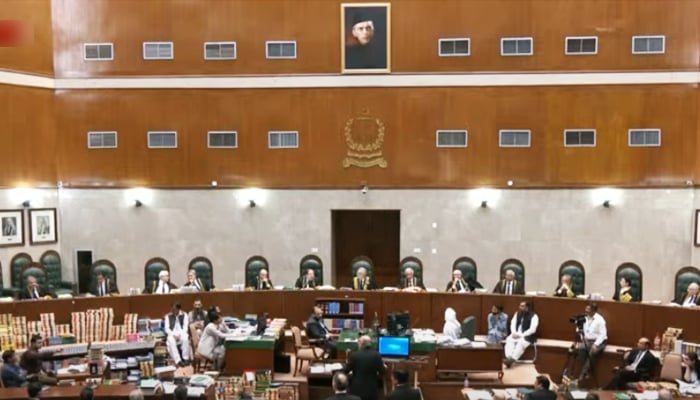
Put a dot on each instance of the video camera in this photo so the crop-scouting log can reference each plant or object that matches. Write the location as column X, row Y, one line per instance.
column 579, row 320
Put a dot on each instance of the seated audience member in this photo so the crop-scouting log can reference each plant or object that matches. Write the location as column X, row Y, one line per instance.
column 623, row 294
column 340, row 384
column 136, row 394
column 33, row 390
column 194, row 282
column 103, row 286
column 541, row 391
column 565, row 289
column 162, row 285
column 403, row 389
column 458, row 284
column 639, row 364
column 509, row 285
column 262, row 281
column 523, row 332
column 211, row 343
column 595, row 334
column 497, row 325
column 34, row 290
column 180, row 392
column 32, row 362
column 690, row 367
column 12, row 375
column 361, row 281
column 316, row 330
column 452, row 329
column 366, row 368
column 197, row 316
column 87, row 393
column 178, row 335
column 306, row 281
column 410, row 282
column 691, row 298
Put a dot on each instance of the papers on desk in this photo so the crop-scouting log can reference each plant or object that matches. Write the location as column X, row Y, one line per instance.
column 478, row 345
column 687, row 388
column 472, row 394
column 73, row 369
column 192, row 391
column 578, row 394
column 647, row 395
column 325, row 368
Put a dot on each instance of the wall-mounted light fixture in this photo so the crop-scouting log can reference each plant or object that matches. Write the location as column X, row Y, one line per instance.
column 484, row 203
column 251, row 203
column 26, row 203
column 137, row 203
column 606, row 204
column 214, row 183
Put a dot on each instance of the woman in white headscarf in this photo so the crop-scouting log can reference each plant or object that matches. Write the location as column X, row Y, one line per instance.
column 452, row 329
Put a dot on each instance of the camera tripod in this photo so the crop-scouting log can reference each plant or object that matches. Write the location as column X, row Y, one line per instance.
column 579, row 351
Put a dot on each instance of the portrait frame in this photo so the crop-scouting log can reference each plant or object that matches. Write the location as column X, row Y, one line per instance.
column 42, row 226
column 11, row 228
column 374, row 56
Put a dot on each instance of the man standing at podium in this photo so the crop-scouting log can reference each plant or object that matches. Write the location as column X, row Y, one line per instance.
column 367, row 369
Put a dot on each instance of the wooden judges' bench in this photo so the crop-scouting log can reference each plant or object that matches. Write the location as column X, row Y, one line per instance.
column 626, row 321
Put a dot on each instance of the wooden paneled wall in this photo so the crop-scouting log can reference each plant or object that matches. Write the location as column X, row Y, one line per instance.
column 45, row 136
column 36, row 55
column 416, row 28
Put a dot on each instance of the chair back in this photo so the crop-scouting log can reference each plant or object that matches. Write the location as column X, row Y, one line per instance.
column 469, row 326
column 51, row 261
column 296, row 333
column 313, row 262
column 194, row 334
column 252, row 269
column 415, row 264
column 468, row 268
column 152, row 268
column 633, row 274
column 577, row 273
column 517, row 267
column 362, row 262
column 204, row 269
column 18, row 262
column 684, row 277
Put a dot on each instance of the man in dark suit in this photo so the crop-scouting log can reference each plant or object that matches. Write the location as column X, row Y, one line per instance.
column 307, row 281
column 509, row 285
column 410, row 282
column 367, row 369
column 316, row 331
column 691, row 298
column 541, row 391
column 103, row 286
column 403, row 390
column 34, row 291
column 340, row 387
column 262, row 281
column 194, row 281
column 162, row 285
column 639, row 364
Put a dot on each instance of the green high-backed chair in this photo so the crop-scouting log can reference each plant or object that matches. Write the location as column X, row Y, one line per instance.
column 517, row 267
column 252, row 270
column 38, row 271
column 634, row 274
column 152, row 268
column 51, row 261
column 684, row 277
column 312, row 262
column 468, row 267
column 469, row 326
column 415, row 264
column 18, row 262
column 577, row 273
column 106, row 268
column 204, row 269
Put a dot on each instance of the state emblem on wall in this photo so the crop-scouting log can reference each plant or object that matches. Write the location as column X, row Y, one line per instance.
column 364, row 138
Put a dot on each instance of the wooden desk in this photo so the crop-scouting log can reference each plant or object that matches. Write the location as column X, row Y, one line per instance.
column 467, row 359
column 115, row 392
column 249, row 355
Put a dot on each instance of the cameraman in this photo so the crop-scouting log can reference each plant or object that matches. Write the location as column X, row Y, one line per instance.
column 595, row 336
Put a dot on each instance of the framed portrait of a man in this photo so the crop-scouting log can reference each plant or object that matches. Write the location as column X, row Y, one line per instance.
column 11, row 228
column 365, row 38
column 42, row 226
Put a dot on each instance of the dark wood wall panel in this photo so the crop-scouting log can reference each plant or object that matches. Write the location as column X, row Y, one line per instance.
column 36, row 55
column 410, row 115
column 27, row 137
column 416, row 28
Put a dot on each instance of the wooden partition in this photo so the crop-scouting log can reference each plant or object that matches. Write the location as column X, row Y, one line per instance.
column 626, row 322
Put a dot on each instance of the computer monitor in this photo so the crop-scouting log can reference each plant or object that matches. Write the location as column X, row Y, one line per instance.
column 395, row 346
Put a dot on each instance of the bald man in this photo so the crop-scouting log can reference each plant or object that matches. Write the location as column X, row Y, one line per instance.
column 691, row 298
column 362, row 281
column 639, row 365
column 509, row 285
column 367, row 369
column 410, row 282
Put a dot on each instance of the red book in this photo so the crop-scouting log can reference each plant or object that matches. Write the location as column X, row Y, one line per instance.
column 13, row 33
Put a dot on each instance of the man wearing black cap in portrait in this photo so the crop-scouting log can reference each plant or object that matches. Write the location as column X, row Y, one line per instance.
column 362, row 51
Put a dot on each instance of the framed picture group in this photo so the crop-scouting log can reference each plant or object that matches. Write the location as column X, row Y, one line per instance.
column 43, row 228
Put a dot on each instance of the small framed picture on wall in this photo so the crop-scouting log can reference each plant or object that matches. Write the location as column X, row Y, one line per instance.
column 12, row 225
column 365, row 38
column 42, row 226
